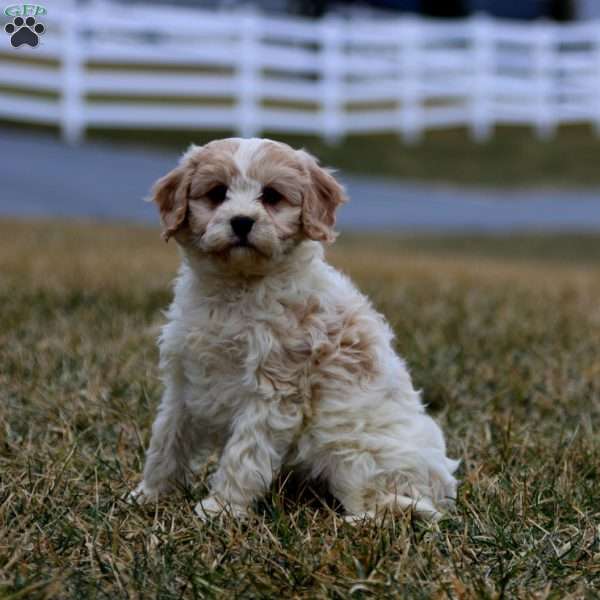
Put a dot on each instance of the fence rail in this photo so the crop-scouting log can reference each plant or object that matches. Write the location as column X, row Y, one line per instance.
column 157, row 68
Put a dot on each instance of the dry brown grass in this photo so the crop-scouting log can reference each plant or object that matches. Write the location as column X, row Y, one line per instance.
column 505, row 345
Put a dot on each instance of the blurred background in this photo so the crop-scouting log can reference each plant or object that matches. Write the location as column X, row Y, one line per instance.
column 463, row 115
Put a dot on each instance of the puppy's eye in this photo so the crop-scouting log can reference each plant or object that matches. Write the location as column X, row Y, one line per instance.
column 271, row 196
column 217, row 194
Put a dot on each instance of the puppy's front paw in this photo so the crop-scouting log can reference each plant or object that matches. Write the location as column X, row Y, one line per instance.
column 142, row 495
column 212, row 507
column 422, row 507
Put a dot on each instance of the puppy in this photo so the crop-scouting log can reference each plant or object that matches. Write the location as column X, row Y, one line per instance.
column 270, row 356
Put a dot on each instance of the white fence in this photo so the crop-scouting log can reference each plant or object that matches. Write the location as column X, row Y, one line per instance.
column 165, row 68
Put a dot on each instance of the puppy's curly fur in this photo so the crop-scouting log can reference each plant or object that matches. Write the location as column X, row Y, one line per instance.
column 272, row 357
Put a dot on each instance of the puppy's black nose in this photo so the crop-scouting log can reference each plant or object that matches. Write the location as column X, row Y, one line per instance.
column 241, row 226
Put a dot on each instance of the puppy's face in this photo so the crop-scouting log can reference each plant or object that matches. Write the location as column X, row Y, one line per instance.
column 246, row 203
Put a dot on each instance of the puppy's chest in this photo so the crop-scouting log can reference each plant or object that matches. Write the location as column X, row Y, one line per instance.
column 261, row 350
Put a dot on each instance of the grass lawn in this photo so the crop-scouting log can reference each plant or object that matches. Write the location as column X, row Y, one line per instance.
column 513, row 157
column 502, row 334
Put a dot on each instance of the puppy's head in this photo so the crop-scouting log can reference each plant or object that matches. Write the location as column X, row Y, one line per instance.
column 247, row 202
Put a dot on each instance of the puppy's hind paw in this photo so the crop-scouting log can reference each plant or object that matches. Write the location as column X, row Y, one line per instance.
column 213, row 507
column 359, row 518
column 421, row 507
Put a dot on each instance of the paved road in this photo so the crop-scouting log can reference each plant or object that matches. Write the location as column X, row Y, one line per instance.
column 40, row 176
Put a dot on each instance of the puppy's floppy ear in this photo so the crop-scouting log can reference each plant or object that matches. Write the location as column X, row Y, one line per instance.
column 321, row 199
column 171, row 195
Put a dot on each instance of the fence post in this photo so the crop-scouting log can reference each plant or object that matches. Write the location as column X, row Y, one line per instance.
column 249, row 72
column 545, row 121
column 483, row 91
column 331, row 78
column 72, row 119
column 410, row 117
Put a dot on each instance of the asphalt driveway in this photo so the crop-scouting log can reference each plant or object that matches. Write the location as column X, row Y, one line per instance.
column 42, row 177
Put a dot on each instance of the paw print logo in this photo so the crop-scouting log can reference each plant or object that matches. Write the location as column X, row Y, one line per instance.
column 24, row 31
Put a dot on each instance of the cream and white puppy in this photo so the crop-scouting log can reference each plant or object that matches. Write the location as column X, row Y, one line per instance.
column 270, row 356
